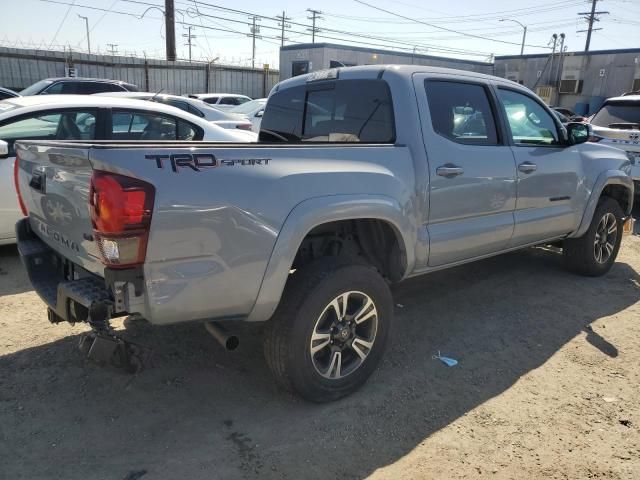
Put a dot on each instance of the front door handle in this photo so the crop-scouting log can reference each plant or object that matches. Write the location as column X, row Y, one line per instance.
column 527, row 167
column 449, row 171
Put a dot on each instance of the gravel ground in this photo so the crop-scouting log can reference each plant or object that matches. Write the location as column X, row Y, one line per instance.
column 547, row 387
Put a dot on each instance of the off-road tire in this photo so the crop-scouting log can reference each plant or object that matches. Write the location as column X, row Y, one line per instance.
column 308, row 293
column 579, row 253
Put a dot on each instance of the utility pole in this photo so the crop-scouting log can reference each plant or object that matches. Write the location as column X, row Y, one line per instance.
column 283, row 23
column 554, row 38
column 315, row 15
column 170, row 30
column 255, row 30
column 113, row 48
column 189, row 37
column 86, row 24
column 591, row 18
column 560, row 55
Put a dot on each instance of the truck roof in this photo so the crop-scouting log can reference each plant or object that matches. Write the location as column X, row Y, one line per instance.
column 373, row 71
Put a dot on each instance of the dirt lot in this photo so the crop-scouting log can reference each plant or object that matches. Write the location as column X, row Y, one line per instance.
column 547, row 387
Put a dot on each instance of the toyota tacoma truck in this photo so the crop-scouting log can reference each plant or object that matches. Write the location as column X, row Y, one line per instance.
column 362, row 177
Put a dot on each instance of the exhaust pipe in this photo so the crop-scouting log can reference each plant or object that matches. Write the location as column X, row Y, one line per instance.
column 224, row 338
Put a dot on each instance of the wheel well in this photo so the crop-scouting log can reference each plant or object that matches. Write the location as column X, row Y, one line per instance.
column 619, row 194
column 375, row 241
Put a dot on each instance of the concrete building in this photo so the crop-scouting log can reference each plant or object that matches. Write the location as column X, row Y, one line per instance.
column 577, row 80
column 309, row 57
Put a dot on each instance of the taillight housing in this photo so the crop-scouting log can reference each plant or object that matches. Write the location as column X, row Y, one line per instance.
column 120, row 209
column 16, row 172
column 244, row 126
column 594, row 139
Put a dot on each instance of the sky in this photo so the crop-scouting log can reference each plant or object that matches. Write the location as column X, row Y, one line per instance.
column 457, row 28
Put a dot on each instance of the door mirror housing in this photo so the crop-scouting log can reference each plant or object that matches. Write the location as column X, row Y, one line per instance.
column 4, row 149
column 578, row 132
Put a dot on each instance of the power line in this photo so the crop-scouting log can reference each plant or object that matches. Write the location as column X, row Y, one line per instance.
column 62, row 22
column 444, row 28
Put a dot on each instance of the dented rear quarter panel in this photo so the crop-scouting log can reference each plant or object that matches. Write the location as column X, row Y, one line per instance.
column 213, row 230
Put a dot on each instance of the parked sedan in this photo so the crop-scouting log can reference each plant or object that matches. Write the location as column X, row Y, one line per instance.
column 89, row 117
column 191, row 105
column 252, row 111
column 223, row 101
column 7, row 93
column 77, row 86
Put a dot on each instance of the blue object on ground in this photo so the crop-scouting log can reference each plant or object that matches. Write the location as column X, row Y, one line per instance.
column 449, row 362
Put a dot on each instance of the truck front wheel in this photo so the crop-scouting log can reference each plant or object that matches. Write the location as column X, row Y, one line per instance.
column 595, row 252
column 330, row 329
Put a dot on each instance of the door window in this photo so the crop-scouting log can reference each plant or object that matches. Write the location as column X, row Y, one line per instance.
column 65, row 125
column 126, row 125
column 229, row 101
column 529, row 122
column 461, row 112
column 211, row 100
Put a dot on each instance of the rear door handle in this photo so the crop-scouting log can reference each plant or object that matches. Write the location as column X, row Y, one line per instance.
column 527, row 167
column 449, row 171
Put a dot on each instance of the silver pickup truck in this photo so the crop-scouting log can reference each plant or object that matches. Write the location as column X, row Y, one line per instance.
column 363, row 177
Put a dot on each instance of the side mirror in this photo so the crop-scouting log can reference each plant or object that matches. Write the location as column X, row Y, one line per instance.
column 4, row 149
column 260, row 113
column 578, row 132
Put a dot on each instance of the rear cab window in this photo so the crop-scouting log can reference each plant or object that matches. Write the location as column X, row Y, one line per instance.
column 335, row 111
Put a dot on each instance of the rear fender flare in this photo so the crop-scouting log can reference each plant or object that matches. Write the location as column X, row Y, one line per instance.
column 317, row 211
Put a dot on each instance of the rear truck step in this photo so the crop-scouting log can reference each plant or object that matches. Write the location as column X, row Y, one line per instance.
column 84, row 298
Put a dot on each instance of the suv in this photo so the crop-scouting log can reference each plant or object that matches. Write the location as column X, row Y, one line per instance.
column 77, row 85
column 363, row 176
column 617, row 123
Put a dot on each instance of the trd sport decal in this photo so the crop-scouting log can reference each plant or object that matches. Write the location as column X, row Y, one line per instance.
column 198, row 161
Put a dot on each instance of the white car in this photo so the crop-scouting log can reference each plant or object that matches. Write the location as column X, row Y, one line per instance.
column 252, row 111
column 191, row 105
column 617, row 123
column 223, row 101
column 90, row 117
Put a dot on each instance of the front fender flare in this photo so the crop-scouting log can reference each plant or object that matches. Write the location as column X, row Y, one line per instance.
column 608, row 177
column 316, row 211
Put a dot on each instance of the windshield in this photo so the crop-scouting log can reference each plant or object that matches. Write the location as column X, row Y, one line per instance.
column 615, row 113
column 35, row 88
column 248, row 107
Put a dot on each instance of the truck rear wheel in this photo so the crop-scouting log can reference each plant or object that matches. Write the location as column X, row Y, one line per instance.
column 330, row 329
column 595, row 252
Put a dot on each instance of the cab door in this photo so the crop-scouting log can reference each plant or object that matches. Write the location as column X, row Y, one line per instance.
column 472, row 186
column 548, row 170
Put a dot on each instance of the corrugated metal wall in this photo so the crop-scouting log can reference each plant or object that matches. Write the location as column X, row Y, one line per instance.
column 20, row 68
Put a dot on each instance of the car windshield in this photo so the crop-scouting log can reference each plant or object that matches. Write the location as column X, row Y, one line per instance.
column 613, row 113
column 35, row 88
column 248, row 107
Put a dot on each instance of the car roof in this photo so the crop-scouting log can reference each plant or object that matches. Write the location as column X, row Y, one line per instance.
column 221, row 95
column 84, row 79
column 625, row 98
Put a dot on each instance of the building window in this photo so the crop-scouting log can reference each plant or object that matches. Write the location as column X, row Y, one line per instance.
column 299, row 67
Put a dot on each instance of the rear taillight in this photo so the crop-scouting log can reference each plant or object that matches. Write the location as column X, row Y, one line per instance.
column 121, row 210
column 16, row 172
column 244, row 126
column 594, row 139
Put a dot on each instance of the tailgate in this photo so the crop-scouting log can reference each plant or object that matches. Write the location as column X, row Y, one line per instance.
column 54, row 185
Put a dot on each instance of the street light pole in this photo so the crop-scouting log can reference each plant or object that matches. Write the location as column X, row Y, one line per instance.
column 524, row 34
column 86, row 24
